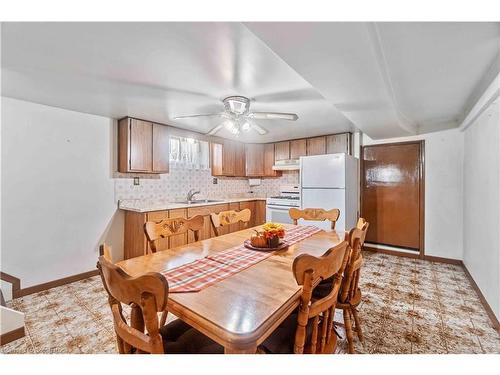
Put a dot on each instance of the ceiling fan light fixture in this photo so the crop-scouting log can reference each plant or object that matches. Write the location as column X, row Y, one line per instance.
column 246, row 126
column 238, row 105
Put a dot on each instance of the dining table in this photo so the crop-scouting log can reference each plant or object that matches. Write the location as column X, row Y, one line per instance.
column 240, row 311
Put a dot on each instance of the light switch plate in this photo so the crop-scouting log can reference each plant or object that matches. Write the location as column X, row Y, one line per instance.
column 214, row 181
column 136, row 180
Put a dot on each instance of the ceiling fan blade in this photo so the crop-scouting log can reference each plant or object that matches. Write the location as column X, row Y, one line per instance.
column 273, row 116
column 259, row 129
column 215, row 130
column 205, row 115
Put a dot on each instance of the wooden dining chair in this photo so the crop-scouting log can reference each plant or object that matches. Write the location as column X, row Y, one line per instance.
column 224, row 218
column 105, row 251
column 350, row 292
column 315, row 214
column 361, row 225
column 147, row 295
column 310, row 328
column 169, row 227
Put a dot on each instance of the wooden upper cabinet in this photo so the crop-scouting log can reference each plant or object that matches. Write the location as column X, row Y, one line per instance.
column 254, row 159
column 161, row 148
column 240, row 159
column 140, row 146
column 143, row 147
column 338, row 143
column 282, row 151
column 316, row 146
column 228, row 158
column 269, row 161
column 298, row 148
column 216, row 159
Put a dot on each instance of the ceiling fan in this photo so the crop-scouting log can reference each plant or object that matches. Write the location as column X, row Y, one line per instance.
column 238, row 117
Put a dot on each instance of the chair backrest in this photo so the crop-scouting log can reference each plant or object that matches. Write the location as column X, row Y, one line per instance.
column 316, row 214
column 169, row 227
column 363, row 225
column 309, row 271
column 224, row 218
column 147, row 295
column 105, row 251
column 350, row 280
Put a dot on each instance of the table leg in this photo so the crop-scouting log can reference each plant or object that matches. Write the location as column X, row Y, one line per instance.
column 249, row 350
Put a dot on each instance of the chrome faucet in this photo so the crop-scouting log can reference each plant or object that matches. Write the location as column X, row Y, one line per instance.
column 191, row 193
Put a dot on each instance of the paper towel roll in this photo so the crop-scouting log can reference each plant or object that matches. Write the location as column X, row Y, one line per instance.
column 254, row 181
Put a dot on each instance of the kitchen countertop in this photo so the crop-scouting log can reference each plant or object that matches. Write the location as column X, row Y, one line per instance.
column 143, row 205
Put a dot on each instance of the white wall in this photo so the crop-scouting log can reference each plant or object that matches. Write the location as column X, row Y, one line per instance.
column 57, row 191
column 482, row 203
column 443, row 190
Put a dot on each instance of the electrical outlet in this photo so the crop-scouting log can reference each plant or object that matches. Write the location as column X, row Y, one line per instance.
column 136, row 180
column 214, row 180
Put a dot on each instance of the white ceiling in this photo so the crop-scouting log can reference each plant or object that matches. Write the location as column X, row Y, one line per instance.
column 387, row 79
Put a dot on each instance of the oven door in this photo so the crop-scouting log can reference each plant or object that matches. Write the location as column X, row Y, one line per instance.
column 278, row 214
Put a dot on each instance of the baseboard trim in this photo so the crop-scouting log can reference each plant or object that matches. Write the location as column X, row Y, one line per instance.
column 16, row 283
column 431, row 258
column 12, row 335
column 486, row 305
column 55, row 283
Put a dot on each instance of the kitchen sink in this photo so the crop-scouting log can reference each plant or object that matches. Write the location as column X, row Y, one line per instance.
column 196, row 201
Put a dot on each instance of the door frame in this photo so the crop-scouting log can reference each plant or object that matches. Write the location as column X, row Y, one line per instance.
column 421, row 143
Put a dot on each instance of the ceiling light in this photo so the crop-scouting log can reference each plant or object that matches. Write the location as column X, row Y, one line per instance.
column 246, row 126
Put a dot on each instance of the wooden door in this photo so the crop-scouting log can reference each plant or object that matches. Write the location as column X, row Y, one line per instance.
column 392, row 194
column 141, row 143
column 316, row 146
column 254, row 159
column 298, row 148
column 338, row 143
column 269, row 161
column 282, row 151
column 161, row 148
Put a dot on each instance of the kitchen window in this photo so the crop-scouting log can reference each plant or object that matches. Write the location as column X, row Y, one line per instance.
column 189, row 153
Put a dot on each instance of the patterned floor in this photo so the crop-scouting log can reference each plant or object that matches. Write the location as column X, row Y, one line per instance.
column 409, row 306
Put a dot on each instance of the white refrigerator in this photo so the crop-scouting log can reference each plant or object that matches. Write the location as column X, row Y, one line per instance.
column 330, row 181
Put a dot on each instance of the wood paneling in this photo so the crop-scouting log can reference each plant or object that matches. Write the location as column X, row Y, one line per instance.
column 269, row 161
column 282, row 151
column 161, row 147
column 254, row 154
column 316, row 146
column 392, row 194
column 298, row 148
column 338, row 143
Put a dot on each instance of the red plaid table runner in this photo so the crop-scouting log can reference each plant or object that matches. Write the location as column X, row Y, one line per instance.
column 197, row 275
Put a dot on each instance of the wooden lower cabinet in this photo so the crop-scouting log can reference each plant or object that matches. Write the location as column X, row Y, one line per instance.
column 136, row 244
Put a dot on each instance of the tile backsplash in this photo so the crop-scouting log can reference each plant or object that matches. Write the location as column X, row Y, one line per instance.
column 175, row 185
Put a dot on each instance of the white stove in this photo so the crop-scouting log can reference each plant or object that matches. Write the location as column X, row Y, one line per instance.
column 277, row 207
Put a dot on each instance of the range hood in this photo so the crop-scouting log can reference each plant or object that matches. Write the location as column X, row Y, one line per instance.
column 286, row 165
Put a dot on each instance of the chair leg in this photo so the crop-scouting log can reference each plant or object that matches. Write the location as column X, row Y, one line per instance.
column 348, row 331
column 356, row 322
